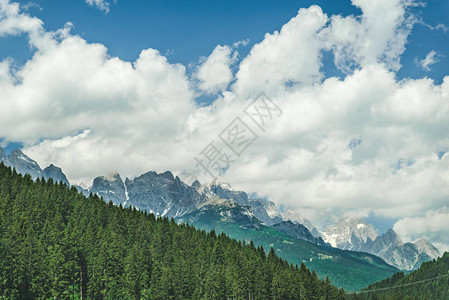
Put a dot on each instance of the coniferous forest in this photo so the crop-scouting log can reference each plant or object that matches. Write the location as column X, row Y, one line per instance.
column 430, row 281
column 56, row 243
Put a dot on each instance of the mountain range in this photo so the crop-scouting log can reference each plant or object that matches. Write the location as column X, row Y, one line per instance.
column 358, row 235
column 215, row 205
column 25, row 165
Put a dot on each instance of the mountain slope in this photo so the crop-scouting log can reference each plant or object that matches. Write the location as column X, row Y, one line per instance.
column 350, row 270
column 55, row 174
column 57, row 244
column 23, row 164
column 430, row 281
column 298, row 231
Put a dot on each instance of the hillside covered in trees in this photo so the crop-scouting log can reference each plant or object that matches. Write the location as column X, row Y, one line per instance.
column 430, row 281
column 56, row 243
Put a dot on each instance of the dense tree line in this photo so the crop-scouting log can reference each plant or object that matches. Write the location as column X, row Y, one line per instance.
column 56, row 243
column 430, row 281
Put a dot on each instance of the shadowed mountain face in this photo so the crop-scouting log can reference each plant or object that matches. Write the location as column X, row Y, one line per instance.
column 298, row 231
column 162, row 194
column 111, row 188
column 357, row 235
column 55, row 174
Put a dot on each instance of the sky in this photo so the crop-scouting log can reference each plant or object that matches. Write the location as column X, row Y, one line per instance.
column 355, row 99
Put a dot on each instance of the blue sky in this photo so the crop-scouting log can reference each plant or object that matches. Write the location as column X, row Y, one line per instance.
column 187, row 30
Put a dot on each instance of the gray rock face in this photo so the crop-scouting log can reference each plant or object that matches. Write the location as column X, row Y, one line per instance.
column 111, row 188
column 23, row 164
column 406, row 256
column 262, row 209
column 349, row 234
column 357, row 235
column 55, row 173
column 298, row 231
column 265, row 211
column 295, row 217
column 224, row 191
column 162, row 194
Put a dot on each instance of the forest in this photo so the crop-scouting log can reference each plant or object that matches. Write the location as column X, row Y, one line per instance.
column 56, row 243
column 430, row 281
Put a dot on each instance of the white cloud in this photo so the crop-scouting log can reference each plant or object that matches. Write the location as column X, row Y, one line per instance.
column 102, row 5
column 434, row 224
column 75, row 106
column 378, row 35
column 430, row 59
column 13, row 22
column 214, row 73
column 290, row 56
column 243, row 43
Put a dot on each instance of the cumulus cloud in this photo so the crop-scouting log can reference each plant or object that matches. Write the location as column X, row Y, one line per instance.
column 363, row 144
column 14, row 22
column 378, row 35
column 102, row 5
column 289, row 56
column 433, row 224
column 431, row 58
column 214, row 73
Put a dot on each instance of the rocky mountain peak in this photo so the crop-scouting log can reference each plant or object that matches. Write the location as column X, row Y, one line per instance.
column 55, row 173
column 424, row 246
column 113, row 176
column 296, row 217
column 298, row 231
column 196, row 184
column 391, row 238
column 218, row 182
column 168, row 175
column 23, row 164
column 358, row 235
column 349, row 233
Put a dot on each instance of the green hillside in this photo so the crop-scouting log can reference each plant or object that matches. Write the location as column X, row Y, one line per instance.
column 347, row 269
column 58, row 244
column 430, row 281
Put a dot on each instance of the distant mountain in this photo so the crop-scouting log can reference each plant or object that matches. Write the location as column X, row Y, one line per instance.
column 111, row 188
column 298, row 231
column 162, row 194
column 25, row 165
column 55, row 174
column 263, row 209
column 297, row 218
column 349, row 234
column 357, row 235
column 166, row 195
